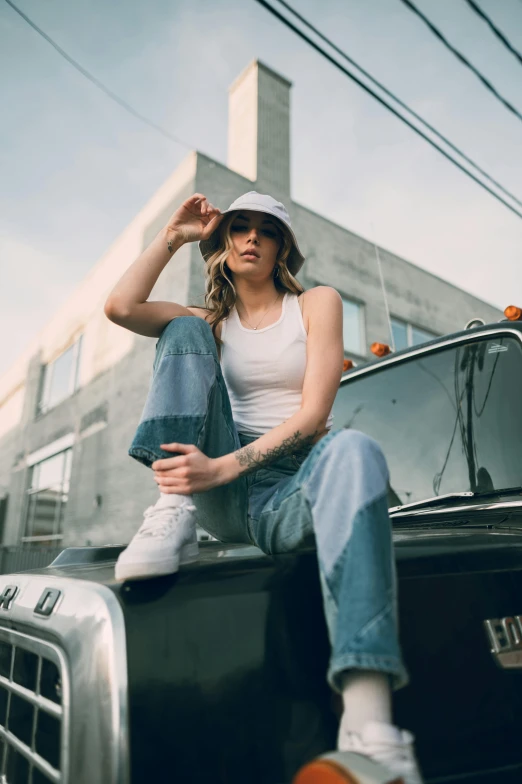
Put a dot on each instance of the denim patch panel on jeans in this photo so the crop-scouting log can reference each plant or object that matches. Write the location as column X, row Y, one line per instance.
column 332, row 496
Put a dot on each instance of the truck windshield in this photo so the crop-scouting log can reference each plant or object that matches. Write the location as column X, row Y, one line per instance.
column 448, row 421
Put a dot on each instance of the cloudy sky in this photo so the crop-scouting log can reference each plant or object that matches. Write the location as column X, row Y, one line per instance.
column 76, row 167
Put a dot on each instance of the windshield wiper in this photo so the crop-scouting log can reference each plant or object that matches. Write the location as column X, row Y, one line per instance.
column 441, row 499
column 431, row 501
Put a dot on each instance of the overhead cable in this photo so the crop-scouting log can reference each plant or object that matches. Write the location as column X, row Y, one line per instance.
column 463, row 59
column 500, row 35
column 99, row 84
column 177, row 140
column 401, row 103
column 384, row 103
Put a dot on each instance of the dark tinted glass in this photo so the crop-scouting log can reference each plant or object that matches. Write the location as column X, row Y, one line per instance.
column 4, row 695
column 6, row 650
column 25, row 668
column 48, row 738
column 21, row 718
column 447, row 421
column 50, row 682
column 17, row 769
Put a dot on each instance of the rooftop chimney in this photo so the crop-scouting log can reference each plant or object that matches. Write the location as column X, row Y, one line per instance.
column 259, row 129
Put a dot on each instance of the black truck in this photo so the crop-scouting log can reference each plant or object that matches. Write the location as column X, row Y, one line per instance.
column 217, row 673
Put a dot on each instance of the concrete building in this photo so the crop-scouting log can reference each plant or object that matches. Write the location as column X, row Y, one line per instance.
column 70, row 404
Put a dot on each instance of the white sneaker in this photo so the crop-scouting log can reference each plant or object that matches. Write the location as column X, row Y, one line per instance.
column 381, row 754
column 166, row 539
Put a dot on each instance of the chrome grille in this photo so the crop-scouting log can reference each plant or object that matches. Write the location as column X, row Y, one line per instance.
column 34, row 711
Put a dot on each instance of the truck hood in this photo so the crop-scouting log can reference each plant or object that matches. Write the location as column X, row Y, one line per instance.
column 249, row 627
column 441, row 543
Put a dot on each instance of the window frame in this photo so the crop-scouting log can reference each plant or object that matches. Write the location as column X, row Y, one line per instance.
column 410, row 326
column 46, row 381
column 28, row 524
column 361, row 353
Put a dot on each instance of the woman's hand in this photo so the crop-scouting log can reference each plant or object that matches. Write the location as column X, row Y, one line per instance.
column 195, row 220
column 190, row 472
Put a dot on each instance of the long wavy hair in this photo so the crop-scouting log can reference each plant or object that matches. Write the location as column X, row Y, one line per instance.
column 220, row 292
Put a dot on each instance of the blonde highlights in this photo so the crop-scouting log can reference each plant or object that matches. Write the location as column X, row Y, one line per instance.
column 220, row 292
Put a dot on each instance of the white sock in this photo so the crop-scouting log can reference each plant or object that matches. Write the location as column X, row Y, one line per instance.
column 366, row 697
column 174, row 499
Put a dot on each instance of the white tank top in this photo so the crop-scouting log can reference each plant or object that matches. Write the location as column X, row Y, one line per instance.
column 264, row 369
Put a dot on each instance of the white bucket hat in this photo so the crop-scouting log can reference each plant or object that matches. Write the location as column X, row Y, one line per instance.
column 260, row 202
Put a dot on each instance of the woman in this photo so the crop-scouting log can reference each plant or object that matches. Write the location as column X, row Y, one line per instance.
column 239, row 441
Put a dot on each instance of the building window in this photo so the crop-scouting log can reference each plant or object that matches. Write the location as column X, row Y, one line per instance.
column 60, row 377
column 353, row 327
column 47, row 497
column 406, row 335
column 3, row 516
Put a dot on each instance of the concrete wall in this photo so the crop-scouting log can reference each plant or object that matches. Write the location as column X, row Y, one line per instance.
column 337, row 257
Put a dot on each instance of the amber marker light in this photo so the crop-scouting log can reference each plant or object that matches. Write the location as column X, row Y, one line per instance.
column 347, row 364
column 380, row 349
column 512, row 313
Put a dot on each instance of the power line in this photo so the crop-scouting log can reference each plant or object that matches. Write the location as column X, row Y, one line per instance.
column 97, row 82
column 401, row 103
column 177, row 140
column 500, row 35
column 384, row 103
column 464, row 60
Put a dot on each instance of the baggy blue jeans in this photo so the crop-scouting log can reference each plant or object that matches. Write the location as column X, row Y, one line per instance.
column 332, row 496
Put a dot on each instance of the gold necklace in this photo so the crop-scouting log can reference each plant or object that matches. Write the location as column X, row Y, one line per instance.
column 264, row 314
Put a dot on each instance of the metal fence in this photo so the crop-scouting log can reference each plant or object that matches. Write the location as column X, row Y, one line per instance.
column 22, row 559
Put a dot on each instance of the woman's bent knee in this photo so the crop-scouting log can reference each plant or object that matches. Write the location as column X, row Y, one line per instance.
column 187, row 331
column 354, row 445
column 355, row 440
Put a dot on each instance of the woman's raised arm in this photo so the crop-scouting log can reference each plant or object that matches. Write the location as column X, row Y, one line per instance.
column 127, row 303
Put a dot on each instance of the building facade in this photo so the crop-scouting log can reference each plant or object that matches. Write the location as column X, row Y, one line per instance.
column 70, row 404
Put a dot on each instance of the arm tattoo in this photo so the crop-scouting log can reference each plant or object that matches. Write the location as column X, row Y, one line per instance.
column 251, row 460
